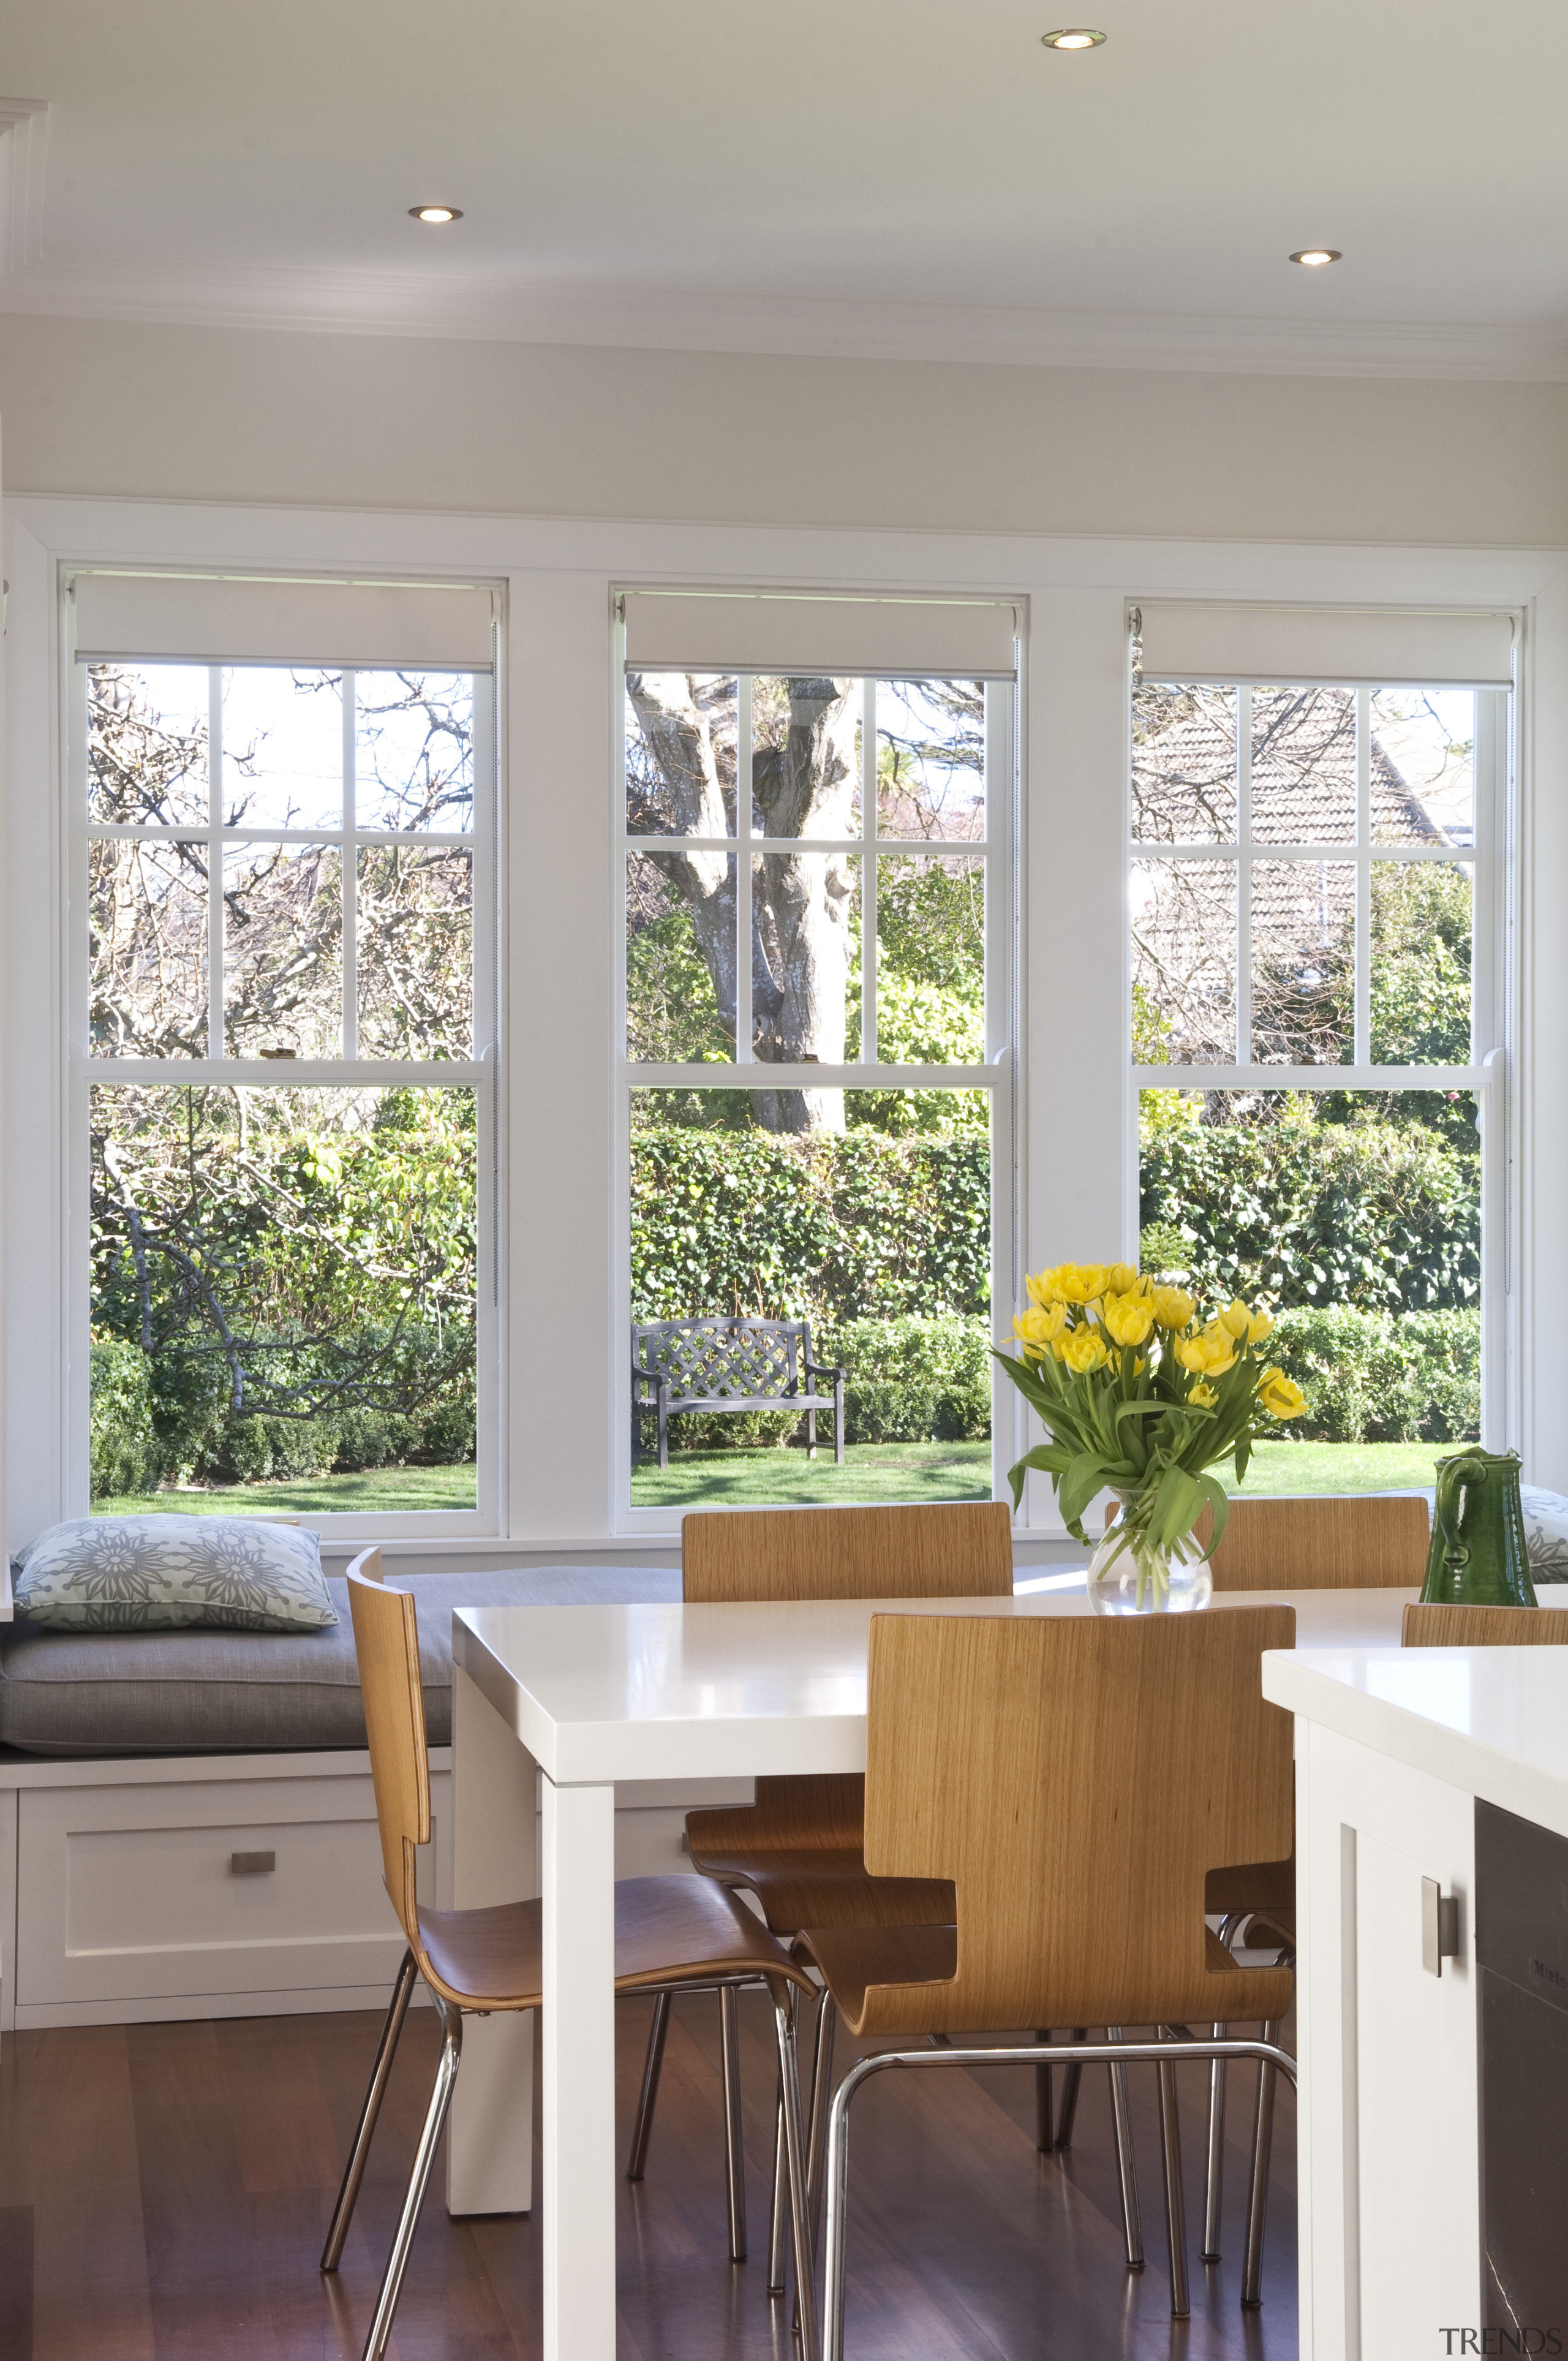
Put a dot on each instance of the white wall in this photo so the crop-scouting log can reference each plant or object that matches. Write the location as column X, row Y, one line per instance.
column 152, row 412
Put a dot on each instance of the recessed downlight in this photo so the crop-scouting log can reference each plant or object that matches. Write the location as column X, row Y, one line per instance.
column 436, row 214
column 1074, row 36
column 1314, row 257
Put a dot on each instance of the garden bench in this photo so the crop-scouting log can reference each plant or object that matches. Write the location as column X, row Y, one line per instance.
column 730, row 1365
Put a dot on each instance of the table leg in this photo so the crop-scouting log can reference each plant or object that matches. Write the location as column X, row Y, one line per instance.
column 579, row 2072
column 489, row 2138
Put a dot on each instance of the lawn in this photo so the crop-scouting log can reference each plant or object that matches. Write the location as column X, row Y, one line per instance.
column 871, row 1472
column 961, row 1471
column 378, row 1492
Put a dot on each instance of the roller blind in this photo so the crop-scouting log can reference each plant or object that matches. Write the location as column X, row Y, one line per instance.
column 1187, row 640
column 734, row 631
column 230, row 619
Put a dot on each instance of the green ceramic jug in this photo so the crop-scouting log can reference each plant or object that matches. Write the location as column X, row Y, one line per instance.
column 1477, row 1556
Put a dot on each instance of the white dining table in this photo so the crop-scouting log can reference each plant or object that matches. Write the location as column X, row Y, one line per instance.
column 566, row 1701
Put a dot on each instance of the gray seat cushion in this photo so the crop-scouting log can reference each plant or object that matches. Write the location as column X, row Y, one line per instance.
column 204, row 1692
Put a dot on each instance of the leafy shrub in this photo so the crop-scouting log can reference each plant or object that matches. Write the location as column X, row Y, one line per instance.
column 1381, row 1215
column 125, row 1452
column 1373, row 1376
column 832, row 1227
column 913, row 1380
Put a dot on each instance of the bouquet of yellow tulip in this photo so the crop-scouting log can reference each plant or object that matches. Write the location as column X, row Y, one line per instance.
column 1140, row 1395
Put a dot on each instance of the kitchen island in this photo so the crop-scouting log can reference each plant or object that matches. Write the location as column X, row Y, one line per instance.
column 1431, row 1815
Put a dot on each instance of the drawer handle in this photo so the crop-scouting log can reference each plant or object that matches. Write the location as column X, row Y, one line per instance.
column 1440, row 1925
column 251, row 1864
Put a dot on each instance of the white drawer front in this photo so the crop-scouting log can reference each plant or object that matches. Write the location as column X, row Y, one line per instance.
column 130, row 1892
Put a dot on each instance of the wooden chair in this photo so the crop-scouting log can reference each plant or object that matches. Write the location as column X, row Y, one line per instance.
column 1484, row 1627
column 1336, row 1540
column 669, row 1931
column 797, row 1848
column 1076, row 1778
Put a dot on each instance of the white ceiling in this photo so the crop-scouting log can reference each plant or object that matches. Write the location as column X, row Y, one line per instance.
column 839, row 176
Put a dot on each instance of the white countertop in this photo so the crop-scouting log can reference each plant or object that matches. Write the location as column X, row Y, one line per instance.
column 1490, row 1722
column 638, row 1692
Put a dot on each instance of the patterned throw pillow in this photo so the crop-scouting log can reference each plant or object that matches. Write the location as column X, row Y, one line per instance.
column 149, row 1574
column 1545, row 1533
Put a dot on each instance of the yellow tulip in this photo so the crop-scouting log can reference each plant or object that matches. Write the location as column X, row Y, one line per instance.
column 1202, row 1397
column 1210, row 1354
column 1282, row 1396
column 1128, row 1318
column 1038, row 1330
column 1173, row 1307
column 1122, row 1279
column 1080, row 1282
column 1042, row 1288
column 1082, row 1351
column 1241, row 1321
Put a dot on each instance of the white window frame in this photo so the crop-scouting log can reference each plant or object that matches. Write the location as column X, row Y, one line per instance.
column 998, row 851
column 1490, row 862
column 479, row 1073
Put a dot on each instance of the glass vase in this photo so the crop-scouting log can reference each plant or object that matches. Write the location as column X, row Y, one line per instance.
column 1131, row 1575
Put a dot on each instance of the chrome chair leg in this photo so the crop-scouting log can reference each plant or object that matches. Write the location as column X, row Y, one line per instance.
column 1126, row 2167
column 1159, row 2054
column 419, row 2178
column 1175, row 2204
column 652, row 2067
column 359, row 2154
column 794, row 2163
column 734, row 2147
column 1257, row 2193
column 778, row 2213
column 821, row 2095
column 1044, row 2114
column 1069, row 2088
column 1214, row 2169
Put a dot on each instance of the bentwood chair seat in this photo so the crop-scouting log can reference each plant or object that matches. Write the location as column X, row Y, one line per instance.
column 1076, row 1778
column 669, row 1932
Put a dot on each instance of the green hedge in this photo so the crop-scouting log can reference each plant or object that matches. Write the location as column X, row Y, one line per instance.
column 161, row 1417
column 1384, row 1217
column 836, row 1227
column 1370, row 1377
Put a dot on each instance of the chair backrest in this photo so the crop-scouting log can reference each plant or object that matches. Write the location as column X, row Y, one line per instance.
column 1076, row 1778
column 1441, row 1626
column 1337, row 1540
column 954, row 1549
column 385, row 1641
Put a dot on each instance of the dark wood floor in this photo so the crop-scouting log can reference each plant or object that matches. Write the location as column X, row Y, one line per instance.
column 164, row 2191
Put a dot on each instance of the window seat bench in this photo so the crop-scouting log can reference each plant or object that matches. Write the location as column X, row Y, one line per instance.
column 187, row 1823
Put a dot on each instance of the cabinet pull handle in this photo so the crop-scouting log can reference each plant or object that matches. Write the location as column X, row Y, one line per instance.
column 251, row 1864
column 1440, row 1925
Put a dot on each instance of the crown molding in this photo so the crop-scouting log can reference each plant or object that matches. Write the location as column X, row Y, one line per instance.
column 24, row 130
column 496, row 310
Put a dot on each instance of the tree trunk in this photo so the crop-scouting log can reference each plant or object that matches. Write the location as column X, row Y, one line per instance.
column 800, row 901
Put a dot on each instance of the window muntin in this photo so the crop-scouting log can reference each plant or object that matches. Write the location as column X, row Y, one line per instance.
column 1262, row 938
column 283, row 866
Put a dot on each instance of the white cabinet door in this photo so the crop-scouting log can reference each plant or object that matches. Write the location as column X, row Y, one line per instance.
column 1390, row 2180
